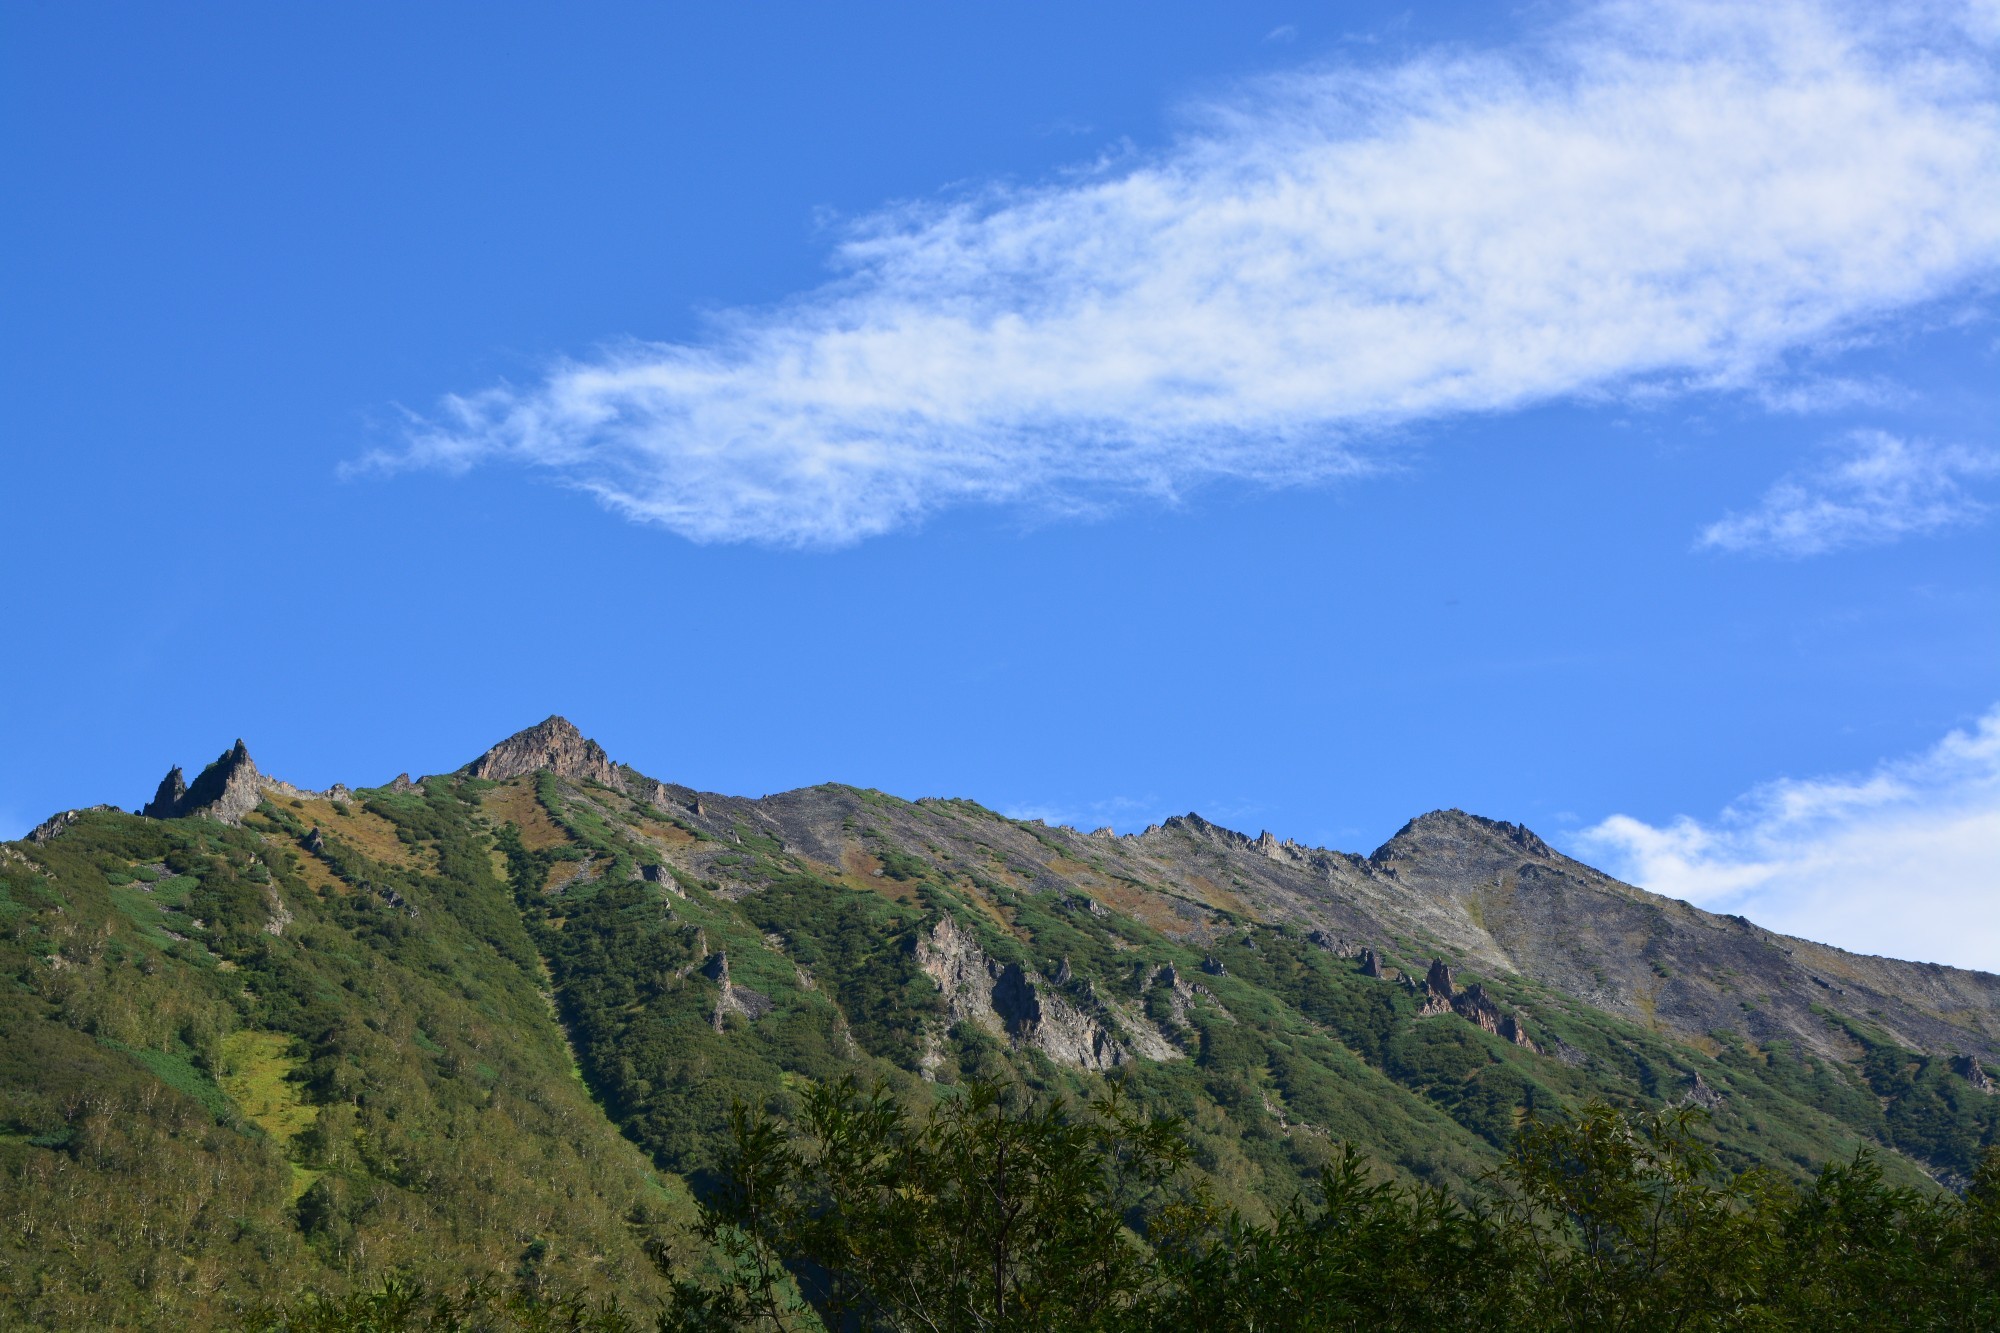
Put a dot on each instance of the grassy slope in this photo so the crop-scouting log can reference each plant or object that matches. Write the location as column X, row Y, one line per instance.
column 196, row 1113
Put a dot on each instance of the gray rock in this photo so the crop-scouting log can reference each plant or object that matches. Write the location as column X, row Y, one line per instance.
column 57, row 823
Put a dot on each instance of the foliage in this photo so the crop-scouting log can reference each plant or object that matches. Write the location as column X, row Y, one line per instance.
column 967, row 1217
column 982, row 1216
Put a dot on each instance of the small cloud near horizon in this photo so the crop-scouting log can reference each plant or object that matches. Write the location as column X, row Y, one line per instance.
column 1899, row 861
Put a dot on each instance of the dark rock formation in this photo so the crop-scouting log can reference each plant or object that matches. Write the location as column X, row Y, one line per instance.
column 225, row 791
column 660, row 875
column 552, row 746
column 166, row 802
column 1702, row 1093
column 1473, row 1004
column 1371, row 964
column 1438, row 991
column 1968, row 1068
column 314, row 843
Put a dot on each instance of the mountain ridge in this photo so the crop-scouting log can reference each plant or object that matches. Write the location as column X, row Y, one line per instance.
column 510, row 1007
column 1446, row 855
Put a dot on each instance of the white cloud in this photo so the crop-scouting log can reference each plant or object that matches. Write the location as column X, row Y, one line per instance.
column 1904, row 861
column 1671, row 196
column 1878, row 489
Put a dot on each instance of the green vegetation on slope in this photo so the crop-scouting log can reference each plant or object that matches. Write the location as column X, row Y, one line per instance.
column 990, row 1212
column 238, row 1084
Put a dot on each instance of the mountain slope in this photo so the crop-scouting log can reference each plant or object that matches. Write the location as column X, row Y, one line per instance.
column 349, row 1016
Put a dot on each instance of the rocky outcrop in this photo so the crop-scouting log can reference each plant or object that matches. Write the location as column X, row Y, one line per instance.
column 59, row 821
column 225, row 791
column 1438, row 991
column 1473, row 1004
column 1701, row 1093
column 551, row 746
column 734, row 999
column 1016, row 1004
column 1371, row 963
column 662, row 876
column 1968, row 1068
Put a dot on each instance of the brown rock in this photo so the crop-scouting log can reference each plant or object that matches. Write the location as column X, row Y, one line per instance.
column 552, row 746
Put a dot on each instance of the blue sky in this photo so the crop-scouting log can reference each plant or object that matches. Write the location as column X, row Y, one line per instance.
column 1309, row 415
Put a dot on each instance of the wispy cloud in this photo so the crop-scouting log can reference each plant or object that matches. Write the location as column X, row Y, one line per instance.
column 1877, row 488
column 1124, row 813
column 1671, row 196
column 1902, row 861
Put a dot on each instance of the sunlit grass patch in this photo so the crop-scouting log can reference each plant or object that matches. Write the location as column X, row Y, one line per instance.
column 255, row 1066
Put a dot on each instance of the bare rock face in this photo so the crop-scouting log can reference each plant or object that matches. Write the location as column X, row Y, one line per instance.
column 1018, row 1005
column 226, row 790
column 552, row 746
column 734, row 999
column 1968, row 1068
column 1371, row 963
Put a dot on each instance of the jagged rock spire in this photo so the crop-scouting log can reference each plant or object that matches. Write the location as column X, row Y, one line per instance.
column 166, row 802
column 554, row 746
column 226, row 790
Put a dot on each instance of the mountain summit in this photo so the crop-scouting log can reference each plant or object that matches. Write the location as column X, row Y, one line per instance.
column 553, row 745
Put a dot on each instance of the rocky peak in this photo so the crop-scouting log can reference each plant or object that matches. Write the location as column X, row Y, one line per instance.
column 1463, row 842
column 552, row 746
column 226, row 790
